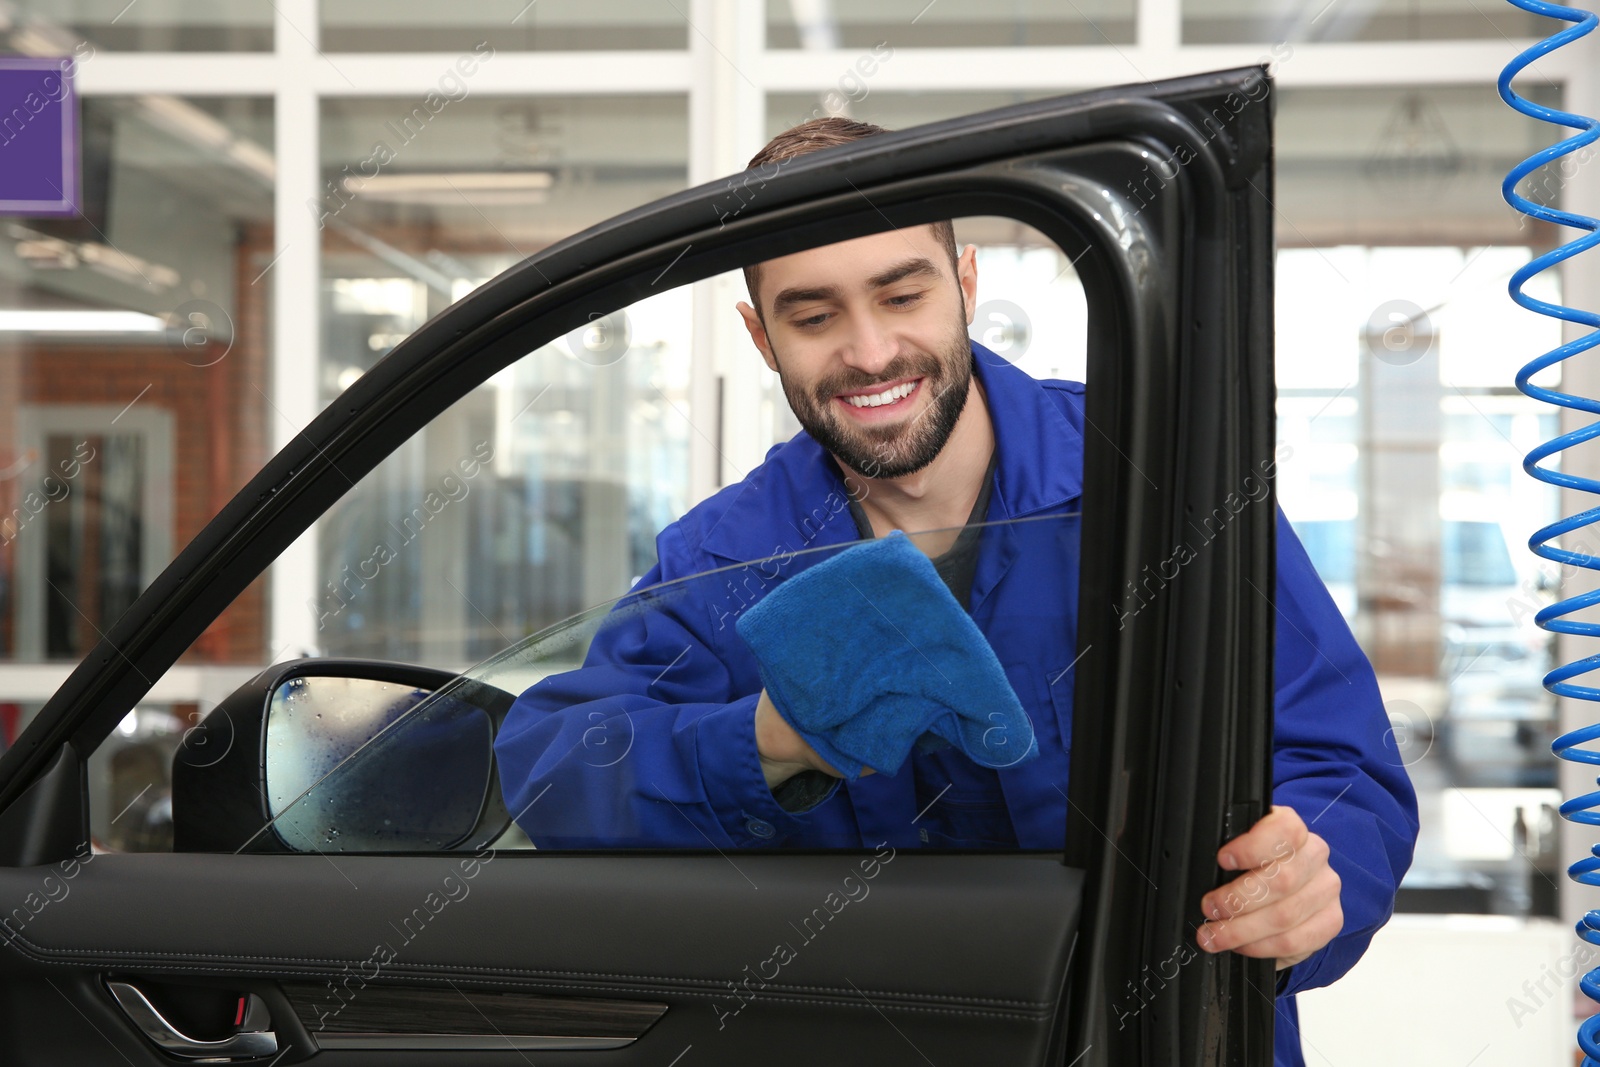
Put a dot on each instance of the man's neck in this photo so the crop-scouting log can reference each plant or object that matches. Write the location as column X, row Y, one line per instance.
column 939, row 496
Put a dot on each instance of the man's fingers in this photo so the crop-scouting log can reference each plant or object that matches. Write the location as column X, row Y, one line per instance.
column 1276, row 836
column 1282, row 927
column 1277, row 879
column 1251, row 892
column 1285, row 905
column 1296, row 944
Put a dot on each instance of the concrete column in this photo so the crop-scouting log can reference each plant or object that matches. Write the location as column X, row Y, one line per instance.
column 296, row 279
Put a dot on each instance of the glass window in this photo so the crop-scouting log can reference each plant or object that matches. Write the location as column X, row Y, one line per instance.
column 130, row 779
column 101, row 544
column 1031, row 305
column 520, row 529
column 535, row 497
column 1266, row 21
column 505, row 25
column 950, row 24
column 62, row 27
column 424, row 199
column 133, row 359
column 591, row 754
column 515, row 513
column 133, row 377
column 1417, row 165
column 578, row 456
column 1397, row 345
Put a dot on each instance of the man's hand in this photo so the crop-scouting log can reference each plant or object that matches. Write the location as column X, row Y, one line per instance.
column 784, row 753
column 1286, row 904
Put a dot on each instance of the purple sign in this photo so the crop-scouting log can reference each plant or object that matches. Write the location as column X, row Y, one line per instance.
column 38, row 137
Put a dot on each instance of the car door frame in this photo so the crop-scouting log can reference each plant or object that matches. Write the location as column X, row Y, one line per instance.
column 1176, row 262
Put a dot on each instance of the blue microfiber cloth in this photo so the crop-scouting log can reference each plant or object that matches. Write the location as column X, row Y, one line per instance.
column 868, row 652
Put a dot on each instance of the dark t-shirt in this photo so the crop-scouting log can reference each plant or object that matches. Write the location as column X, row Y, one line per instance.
column 960, row 561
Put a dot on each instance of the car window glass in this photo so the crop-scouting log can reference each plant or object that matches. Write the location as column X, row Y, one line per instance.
column 543, row 491
column 592, row 753
column 533, row 497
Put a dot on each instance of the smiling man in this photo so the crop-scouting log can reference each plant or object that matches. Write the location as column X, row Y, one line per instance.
column 909, row 425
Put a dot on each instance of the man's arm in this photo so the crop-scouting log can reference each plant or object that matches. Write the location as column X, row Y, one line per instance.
column 653, row 741
column 1320, row 872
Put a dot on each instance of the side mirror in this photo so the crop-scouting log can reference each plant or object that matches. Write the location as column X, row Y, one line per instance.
column 338, row 755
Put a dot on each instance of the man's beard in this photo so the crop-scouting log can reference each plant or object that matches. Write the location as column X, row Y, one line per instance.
column 904, row 447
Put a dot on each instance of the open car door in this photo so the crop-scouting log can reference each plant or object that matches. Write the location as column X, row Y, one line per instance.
column 261, row 949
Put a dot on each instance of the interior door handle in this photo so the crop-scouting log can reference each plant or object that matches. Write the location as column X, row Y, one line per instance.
column 254, row 1039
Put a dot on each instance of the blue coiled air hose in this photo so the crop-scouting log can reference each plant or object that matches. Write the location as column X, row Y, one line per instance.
column 1555, row 618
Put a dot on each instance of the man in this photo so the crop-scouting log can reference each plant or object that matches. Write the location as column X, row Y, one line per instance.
column 910, row 426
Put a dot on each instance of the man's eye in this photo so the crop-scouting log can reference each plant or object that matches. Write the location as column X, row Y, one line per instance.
column 813, row 320
column 904, row 299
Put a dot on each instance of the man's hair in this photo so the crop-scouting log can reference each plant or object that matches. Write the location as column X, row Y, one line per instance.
column 810, row 136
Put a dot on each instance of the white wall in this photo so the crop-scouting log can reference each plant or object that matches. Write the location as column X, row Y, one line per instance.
column 1449, row 991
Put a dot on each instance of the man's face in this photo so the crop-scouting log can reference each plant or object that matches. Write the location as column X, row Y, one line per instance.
column 869, row 338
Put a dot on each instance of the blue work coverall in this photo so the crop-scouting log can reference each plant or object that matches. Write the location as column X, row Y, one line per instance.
column 651, row 742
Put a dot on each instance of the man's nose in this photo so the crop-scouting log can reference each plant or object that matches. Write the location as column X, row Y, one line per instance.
column 872, row 348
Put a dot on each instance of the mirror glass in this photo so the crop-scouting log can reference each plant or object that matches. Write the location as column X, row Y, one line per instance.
column 420, row 783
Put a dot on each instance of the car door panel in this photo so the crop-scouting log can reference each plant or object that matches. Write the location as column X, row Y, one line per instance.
column 983, row 958
column 955, row 951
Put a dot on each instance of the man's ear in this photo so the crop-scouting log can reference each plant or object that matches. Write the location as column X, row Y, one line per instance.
column 967, row 276
column 758, row 334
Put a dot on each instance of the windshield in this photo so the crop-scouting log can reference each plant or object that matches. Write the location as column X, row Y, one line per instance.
column 617, row 708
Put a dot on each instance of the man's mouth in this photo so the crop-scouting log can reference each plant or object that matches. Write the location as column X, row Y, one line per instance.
column 881, row 400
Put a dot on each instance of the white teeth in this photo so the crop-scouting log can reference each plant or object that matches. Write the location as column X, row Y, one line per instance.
column 888, row 396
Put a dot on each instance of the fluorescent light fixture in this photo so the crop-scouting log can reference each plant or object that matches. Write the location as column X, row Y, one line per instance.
column 497, row 187
column 189, row 123
column 53, row 253
column 466, row 182
column 16, row 320
column 118, row 264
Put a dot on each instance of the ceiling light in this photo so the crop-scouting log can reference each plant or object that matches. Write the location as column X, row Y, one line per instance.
column 467, row 182
column 1415, row 153
column 500, row 187
column 121, row 265
column 78, row 321
column 204, row 130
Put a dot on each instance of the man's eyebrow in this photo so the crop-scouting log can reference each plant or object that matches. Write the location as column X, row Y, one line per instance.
column 911, row 268
column 790, row 297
